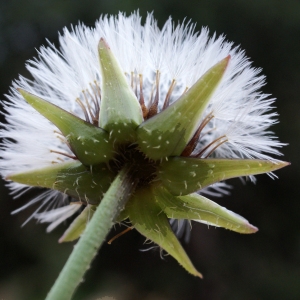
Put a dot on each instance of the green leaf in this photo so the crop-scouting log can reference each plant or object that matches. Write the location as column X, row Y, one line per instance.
column 89, row 143
column 147, row 217
column 78, row 225
column 182, row 176
column 198, row 208
column 71, row 178
column 167, row 133
column 120, row 111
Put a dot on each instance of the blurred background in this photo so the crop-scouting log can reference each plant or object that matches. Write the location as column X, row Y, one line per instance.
column 265, row 265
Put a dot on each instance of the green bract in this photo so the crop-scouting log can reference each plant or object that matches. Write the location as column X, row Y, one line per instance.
column 89, row 143
column 153, row 149
column 168, row 133
column 122, row 116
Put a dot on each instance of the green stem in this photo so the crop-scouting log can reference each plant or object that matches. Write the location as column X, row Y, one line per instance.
column 94, row 235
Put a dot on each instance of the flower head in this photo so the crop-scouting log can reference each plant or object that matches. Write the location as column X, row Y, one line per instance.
column 181, row 110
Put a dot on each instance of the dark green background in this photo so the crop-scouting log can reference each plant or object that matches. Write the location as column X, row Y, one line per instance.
column 261, row 266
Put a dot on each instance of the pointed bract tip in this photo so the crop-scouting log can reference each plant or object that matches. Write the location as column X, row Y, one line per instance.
column 226, row 61
column 61, row 239
column 64, row 238
column 228, row 58
column 285, row 163
column 26, row 94
column 280, row 164
column 22, row 92
column 253, row 229
column 11, row 177
column 103, row 44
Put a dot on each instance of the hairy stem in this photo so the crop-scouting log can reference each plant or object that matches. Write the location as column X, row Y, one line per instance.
column 94, row 235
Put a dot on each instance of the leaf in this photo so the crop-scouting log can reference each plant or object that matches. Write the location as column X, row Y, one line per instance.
column 78, row 225
column 146, row 216
column 89, row 143
column 168, row 133
column 71, row 178
column 182, row 175
column 120, row 111
column 198, row 208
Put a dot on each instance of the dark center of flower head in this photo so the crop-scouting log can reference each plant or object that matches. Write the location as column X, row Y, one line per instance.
column 143, row 170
